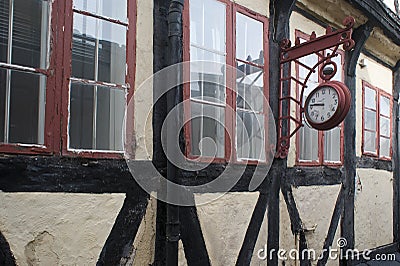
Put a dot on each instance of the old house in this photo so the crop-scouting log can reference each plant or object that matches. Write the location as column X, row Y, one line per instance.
column 83, row 169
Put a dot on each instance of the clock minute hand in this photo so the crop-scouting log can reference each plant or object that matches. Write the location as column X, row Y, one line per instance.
column 317, row 104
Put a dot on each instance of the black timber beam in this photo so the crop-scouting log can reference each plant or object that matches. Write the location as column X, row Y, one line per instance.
column 395, row 154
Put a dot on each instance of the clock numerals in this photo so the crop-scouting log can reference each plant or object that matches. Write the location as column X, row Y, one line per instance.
column 329, row 115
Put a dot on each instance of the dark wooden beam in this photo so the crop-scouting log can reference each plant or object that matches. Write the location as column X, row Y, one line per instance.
column 6, row 256
column 396, row 154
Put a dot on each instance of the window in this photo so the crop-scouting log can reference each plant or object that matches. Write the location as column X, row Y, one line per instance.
column 317, row 147
column 66, row 67
column 24, row 76
column 223, row 32
column 377, row 121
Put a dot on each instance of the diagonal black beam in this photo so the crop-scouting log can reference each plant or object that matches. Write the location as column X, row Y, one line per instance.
column 192, row 238
column 119, row 243
column 253, row 230
column 337, row 212
column 6, row 256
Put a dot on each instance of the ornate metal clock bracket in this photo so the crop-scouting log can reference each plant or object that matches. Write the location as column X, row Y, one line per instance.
column 331, row 40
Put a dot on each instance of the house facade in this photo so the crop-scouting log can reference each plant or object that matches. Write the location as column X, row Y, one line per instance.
column 85, row 133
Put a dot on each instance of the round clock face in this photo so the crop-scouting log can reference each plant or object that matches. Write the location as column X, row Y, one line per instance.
column 323, row 104
column 327, row 105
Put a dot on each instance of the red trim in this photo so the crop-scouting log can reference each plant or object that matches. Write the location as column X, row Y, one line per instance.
column 321, row 134
column 230, row 117
column 378, row 93
column 130, row 80
column 51, row 112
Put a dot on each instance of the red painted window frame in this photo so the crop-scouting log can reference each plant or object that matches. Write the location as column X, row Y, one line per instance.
column 321, row 134
column 52, row 114
column 230, row 118
column 379, row 92
column 129, row 79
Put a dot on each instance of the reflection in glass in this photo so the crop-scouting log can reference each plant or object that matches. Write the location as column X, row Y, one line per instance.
column 207, row 130
column 370, row 141
column 384, row 147
column 384, row 105
column 249, row 39
column 370, row 98
column 4, row 20
column 99, row 50
column 370, row 120
column 384, row 126
column 116, row 9
column 96, row 117
column 308, row 148
column 331, row 146
column 250, row 136
column 250, row 95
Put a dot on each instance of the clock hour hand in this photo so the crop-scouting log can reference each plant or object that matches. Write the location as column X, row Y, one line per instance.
column 317, row 104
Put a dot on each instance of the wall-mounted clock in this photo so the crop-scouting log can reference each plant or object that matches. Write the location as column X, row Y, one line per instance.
column 327, row 105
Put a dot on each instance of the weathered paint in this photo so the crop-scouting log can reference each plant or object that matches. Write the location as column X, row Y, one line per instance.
column 41, row 228
column 373, row 209
column 144, row 70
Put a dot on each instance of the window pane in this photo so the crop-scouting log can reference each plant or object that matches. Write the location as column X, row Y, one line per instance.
column 4, row 18
column 369, row 141
column 370, row 120
column 249, row 39
column 249, row 88
column 116, row 9
column 96, row 117
column 338, row 60
column 27, row 105
column 308, row 144
column 250, row 136
column 309, row 60
column 3, row 77
column 207, row 24
column 30, row 33
column 207, row 78
column 384, row 126
column 332, row 145
column 370, row 98
column 384, row 105
column 91, row 35
column 384, row 147
column 208, row 135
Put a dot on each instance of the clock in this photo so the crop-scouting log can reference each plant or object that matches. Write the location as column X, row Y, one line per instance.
column 327, row 105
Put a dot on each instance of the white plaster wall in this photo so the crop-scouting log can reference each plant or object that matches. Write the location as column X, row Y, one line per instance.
column 373, row 209
column 259, row 6
column 376, row 75
column 224, row 223
column 144, row 70
column 315, row 205
column 57, row 229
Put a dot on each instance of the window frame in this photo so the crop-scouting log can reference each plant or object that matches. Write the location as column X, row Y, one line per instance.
column 321, row 134
column 230, row 90
column 52, row 114
column 378, row 92
column 129, row 80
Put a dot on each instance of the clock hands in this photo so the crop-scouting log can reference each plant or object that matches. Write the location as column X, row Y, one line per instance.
column 317, row 104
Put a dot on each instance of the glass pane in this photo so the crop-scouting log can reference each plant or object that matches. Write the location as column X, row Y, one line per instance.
column 30, row 33
column 112, row 52
column 250, row 93
column 384, row 126
column 208, row 135
column 96, row 117
column 84, row 47
column 310, row 61
column 370, row 120
column 207, row 24
column 384, row 147
column 3, row 78
column 308, row 144
column 370, row 98
column 384, row 106
column 370, row 141
column 332, row 145
column 338, row 60
column 4, row 18
column 250, row 136
column 249, row 39
column 27, row 107
column 207, row 78
column 116, row 9
column 91, row 35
